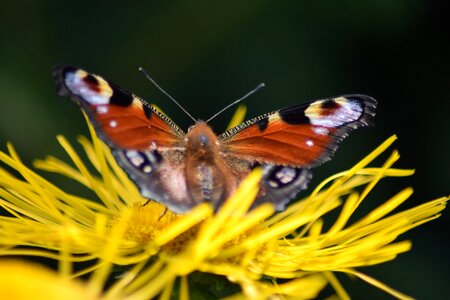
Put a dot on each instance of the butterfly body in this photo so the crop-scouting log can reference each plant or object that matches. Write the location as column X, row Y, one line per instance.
column 182, row 169
column 208, row 177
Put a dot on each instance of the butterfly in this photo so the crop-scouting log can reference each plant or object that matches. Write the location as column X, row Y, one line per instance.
column 182, row 169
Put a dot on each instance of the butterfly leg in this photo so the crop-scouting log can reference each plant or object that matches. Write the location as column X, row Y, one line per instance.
column 163, row 213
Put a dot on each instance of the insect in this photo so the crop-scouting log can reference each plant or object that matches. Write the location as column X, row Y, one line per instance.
column 181, row 170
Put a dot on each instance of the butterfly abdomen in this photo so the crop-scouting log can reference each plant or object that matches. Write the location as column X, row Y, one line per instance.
column 208, row 177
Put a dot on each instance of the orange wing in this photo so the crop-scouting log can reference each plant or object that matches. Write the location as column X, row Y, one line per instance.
column 121, row 119
column 301, row 136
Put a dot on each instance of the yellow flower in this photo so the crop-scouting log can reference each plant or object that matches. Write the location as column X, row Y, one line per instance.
column 40, row 282
column 294, row 253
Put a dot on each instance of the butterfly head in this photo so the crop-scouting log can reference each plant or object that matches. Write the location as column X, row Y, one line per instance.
column 201, row 140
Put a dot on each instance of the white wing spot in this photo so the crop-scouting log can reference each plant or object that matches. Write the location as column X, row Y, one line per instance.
column 273, row 184
column 309, row 143
column 135, row 158
column 285, row 175
column 321, row 130
column 113, row 123
column 131, row 153
column 102, row 109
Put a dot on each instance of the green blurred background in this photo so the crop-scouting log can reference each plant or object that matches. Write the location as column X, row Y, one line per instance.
column 208, row 53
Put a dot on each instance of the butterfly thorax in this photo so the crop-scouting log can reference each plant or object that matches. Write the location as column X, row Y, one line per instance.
column 207, row 175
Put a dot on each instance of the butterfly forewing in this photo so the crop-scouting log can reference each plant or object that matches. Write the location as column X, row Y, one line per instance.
column 120, row 118
column 303, row 136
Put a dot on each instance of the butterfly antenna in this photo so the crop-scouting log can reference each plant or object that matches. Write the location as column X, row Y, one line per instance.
column 257, row 88
column 165, row 93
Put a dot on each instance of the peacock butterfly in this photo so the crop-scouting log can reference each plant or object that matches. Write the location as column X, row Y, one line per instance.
column 181, row 170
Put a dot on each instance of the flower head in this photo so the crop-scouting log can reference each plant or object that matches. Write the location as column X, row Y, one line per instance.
column 292, row 253
column 39, row 281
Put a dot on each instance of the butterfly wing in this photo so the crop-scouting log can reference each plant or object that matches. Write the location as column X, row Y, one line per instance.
column 280, row 184
column 290, row 141
column 120, row 118
column 144, row 141
column 301, row 136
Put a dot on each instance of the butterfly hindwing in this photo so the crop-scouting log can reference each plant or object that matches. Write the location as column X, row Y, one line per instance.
column 302, row 136
column 159, row 176
column 279, row 184
column 120, row 118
